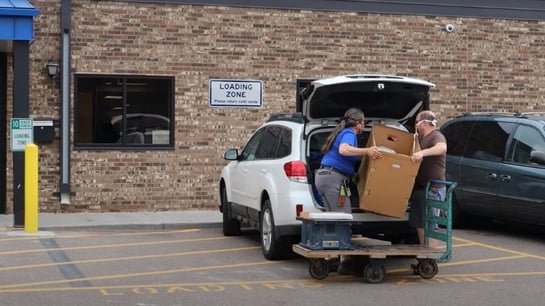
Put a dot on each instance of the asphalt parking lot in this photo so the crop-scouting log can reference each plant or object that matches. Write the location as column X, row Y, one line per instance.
column 196, row 266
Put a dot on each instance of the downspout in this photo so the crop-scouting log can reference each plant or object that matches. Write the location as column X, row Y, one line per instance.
column 65, row 102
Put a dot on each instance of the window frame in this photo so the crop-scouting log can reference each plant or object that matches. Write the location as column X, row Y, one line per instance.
column 169, row 81
column 249, row 151
column 516, row 140
column 457, row 134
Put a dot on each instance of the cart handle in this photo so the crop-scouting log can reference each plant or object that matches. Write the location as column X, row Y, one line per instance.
column 450, row 185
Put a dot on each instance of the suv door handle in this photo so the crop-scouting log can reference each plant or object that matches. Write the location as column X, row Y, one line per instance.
column 505, row 178
column 492, row 176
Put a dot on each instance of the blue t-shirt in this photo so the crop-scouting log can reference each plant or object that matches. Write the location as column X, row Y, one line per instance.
column 334, row 159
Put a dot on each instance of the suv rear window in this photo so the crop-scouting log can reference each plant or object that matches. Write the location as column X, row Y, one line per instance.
column 269, row 142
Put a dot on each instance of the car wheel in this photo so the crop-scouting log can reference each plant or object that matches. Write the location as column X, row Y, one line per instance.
column 270, row 244
column 231, row 226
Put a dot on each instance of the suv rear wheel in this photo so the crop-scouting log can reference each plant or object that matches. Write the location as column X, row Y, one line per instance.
column 231, row 227
column 270, row 244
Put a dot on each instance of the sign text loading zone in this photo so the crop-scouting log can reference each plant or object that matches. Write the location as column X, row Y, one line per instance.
column 236, row 93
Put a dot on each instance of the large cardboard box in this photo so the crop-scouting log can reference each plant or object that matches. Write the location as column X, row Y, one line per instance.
column 385, row 184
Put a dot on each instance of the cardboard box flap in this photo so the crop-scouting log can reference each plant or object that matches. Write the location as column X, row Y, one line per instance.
column 392, row 139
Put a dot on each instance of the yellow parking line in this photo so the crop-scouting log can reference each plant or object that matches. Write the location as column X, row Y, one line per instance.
column 311, row 283
column 476, row 261
column 535, row 273
column 461, row 245
column 119, row 245
column 466, row 262
column 140, row 274
column 100, row 234
column 112, row 259
column 283, row 283
column 488, row 246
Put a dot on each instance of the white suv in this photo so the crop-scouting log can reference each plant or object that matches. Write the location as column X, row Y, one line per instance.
column 266, row 184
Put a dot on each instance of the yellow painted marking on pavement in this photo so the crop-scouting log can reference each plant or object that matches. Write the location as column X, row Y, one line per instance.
column 461, row 245
column 132, row 233
column 103, row 234
column 119, row 245
column 535, row 273
column 488, row 246
column 466, row 262
column 245, row 285
column 270, row 284
column 102, row 260
column 140, row 274
column 476, row 261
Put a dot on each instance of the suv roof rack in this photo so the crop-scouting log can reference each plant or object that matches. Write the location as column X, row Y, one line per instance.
column 533, row 114
column 514, row 114
column 293, row 117
column 492, row 114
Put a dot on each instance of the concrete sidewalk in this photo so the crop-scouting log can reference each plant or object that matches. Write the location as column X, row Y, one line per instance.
column 133, row 220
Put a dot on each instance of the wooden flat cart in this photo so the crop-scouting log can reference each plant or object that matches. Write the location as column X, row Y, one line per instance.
column 437, row 226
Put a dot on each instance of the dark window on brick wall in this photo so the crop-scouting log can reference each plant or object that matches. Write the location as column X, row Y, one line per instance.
column 301, row 85
column 123, row 112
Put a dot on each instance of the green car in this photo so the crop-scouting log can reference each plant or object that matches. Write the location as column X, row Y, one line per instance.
column 498, row 161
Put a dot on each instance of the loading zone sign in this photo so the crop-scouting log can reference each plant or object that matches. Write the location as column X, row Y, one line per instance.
column 21, row 133
column 236, row 93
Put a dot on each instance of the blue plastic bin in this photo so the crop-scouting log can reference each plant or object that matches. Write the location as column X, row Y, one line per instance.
column 326, row 234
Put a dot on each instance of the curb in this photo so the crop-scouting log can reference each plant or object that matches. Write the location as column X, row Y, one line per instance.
column 22, row 234
column 139, row 226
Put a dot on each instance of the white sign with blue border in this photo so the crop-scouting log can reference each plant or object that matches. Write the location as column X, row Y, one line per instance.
column 235, row 93
column 21, row 133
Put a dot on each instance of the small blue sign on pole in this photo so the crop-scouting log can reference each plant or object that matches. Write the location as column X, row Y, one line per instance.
column 21, row 133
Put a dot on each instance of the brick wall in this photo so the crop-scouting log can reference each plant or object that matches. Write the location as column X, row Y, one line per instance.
column 484, row 65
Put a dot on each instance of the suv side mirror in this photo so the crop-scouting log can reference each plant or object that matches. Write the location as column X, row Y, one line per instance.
column 537, row 157
column 231, row 154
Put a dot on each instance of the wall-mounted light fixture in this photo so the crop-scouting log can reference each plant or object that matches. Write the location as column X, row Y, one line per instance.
column 52, row 68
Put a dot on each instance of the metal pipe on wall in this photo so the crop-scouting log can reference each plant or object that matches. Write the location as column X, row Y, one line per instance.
column 65, row 102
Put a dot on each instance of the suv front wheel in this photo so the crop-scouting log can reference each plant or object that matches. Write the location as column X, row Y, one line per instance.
column 270, row 244
column 231, row 226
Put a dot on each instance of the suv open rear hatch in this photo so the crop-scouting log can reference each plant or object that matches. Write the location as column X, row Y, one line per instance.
column 380, row 97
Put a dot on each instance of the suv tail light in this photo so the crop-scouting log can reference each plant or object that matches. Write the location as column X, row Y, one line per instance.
column 296, row 171
column 298, row 209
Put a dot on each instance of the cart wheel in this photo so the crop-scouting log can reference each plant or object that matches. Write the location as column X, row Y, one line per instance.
column 318, row 268
column 374, row 273
column 427, row 268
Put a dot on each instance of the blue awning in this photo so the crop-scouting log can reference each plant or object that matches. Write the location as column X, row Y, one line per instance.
column 16, row 20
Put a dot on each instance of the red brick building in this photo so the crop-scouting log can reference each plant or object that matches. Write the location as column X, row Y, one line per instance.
column 152, row 60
